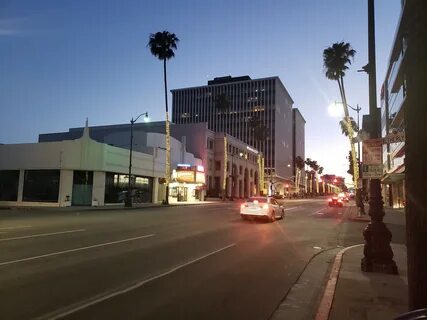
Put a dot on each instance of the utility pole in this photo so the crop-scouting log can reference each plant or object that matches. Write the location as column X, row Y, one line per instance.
column 378, row 255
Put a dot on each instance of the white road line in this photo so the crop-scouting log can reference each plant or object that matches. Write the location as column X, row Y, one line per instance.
column 42, row 235
column 291, row 208
column 14, row 227
column 102, row 298
column 74, row 250
column 319, row 211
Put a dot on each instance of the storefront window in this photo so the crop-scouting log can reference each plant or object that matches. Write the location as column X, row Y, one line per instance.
column 116, row 187
column 9, row 180
column 41, row 185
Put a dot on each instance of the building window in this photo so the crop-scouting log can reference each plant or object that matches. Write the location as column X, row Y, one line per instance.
column 217, row 165
column 41, row 185
column 116, row 186
column 9, row 180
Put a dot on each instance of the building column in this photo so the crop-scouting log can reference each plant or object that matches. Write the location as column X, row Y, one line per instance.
column 98, row 188
column 66, row 188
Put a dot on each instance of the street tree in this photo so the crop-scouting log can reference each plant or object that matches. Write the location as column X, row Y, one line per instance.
column 163, row 45
column 336, row 60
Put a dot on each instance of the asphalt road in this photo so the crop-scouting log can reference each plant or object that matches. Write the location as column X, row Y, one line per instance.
column 194, row 262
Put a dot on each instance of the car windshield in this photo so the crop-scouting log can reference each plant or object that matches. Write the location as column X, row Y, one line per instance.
column 259, row 199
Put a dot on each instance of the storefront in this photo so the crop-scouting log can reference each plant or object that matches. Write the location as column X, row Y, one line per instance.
column 188, row 184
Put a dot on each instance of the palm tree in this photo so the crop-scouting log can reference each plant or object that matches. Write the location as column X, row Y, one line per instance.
column 315, row 168
column 162, row 46
column 309, row 163
column 344, row 126
column 336, row 60
column 259, row 130
column 222, row 102
column 299, row 163
column 319, row 172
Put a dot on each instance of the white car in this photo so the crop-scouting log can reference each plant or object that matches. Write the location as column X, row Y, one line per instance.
column 262, row 207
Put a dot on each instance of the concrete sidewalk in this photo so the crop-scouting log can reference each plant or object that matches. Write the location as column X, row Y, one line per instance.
column 367, row 296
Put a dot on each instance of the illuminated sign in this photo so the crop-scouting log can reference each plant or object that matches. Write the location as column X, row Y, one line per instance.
column 252, row 149
column 200, row 178
column 185, row 176
column 183, row 165
column 200, row 169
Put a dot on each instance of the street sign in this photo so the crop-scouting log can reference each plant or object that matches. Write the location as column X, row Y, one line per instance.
column 372, row 151
column 372, row 171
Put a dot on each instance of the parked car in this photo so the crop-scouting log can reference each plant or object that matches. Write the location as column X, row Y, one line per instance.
column 262, row 207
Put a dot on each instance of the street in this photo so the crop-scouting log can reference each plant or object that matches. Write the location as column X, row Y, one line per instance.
column 181, row 262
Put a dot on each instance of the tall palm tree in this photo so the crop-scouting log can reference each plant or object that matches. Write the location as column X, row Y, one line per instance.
column 319, row 172
column 259, row 130
column 336, row 60
column 299, row 163
column 309, row 163
column 344, row 126
column 162, row 46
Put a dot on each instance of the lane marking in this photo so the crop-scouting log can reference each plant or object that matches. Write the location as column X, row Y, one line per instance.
column 15, row 227
column 42, row 235
column 101, row 298
column 291, row 208
column 74, row 250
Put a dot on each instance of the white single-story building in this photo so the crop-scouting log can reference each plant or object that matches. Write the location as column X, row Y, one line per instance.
column 86, row 172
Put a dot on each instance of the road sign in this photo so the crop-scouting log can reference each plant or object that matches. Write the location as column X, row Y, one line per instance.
column 372, row 151
column 372, row 171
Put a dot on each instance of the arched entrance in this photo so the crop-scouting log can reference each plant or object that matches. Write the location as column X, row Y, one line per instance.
column 246, row 183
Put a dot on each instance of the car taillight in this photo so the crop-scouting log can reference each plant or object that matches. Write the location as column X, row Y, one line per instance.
column 265, row 206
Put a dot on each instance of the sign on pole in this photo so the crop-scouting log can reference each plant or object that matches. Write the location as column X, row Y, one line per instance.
column 372, row 158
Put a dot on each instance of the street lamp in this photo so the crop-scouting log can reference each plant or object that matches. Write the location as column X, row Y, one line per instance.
column 128, row 200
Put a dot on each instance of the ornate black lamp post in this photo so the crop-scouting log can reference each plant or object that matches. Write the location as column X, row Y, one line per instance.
column 128, row 200
column 378, row 256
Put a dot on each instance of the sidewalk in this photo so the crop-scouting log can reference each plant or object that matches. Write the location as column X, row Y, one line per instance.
column 366, row 296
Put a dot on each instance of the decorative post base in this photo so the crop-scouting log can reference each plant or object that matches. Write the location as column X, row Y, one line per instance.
column 378, row 255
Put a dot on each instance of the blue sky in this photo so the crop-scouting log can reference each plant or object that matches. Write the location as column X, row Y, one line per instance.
column 62, row 61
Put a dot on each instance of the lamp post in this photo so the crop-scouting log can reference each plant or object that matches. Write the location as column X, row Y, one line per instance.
column 128, row 201
column 378, row 255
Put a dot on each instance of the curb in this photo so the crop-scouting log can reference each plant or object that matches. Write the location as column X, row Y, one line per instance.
column 325, row 305
column 104, row 208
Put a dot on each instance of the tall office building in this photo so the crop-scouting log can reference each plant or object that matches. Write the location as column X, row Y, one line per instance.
column 264, row 100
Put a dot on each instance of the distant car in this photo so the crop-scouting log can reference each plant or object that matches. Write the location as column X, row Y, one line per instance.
column 344, row 197
column 335, row 201
column 262, row 207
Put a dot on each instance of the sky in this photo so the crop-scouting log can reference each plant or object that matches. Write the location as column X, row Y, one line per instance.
column 62, row 61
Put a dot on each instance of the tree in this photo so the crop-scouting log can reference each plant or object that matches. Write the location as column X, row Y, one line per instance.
column 259, row 130
column 344, row 127
column 299, row 163
column 222, row 102
column 336, row 60
column 162, row 46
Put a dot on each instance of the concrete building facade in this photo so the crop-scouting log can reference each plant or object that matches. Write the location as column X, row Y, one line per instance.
column 79, row 172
